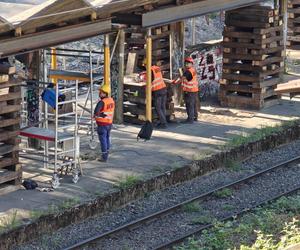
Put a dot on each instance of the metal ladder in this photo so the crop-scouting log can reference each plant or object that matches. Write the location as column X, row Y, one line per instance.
column 66, row 134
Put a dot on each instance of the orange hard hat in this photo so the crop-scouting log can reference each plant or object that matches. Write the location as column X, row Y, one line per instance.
column 189, row 60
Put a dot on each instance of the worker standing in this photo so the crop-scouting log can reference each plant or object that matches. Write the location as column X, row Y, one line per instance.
column 104, row 113
column 159, row 93
column 190, row 87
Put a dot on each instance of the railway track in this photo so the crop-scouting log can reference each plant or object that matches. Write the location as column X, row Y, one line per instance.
column 142, row 221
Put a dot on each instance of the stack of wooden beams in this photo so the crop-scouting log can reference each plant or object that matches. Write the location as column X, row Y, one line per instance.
column 136, row 41
column 293, row 38
column 10, row 99
column 135, row 102
column 135, row 92
column 252, row 58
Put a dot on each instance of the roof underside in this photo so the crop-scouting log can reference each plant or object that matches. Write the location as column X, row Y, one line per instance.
column 21, row 19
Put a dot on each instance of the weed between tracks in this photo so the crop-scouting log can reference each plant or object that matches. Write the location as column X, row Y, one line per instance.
column 271, row 227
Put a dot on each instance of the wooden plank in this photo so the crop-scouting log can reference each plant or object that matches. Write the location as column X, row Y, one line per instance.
column 53, row 37
column 244, row 67
column 243, row 45
column 7, row 69
column 6, row 135
column 240, row 88
column 9, row 122
column 10, row 96
column 267, row 61
column 4, row 78
column 266, row 83
column 7, row 176
column 6, row 149
column 131, row 63
column 290, row 87
column 241, row 77
column 8, row 161
column 10, row 109
column 246, row 24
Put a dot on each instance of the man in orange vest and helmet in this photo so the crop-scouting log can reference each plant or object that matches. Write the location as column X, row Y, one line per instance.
column 159, row 93
column 190, row 87
column 104, row 114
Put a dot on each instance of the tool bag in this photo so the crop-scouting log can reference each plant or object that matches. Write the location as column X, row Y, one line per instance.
column 146, row 131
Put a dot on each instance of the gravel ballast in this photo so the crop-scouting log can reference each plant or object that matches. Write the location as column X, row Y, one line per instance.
column 176, row 224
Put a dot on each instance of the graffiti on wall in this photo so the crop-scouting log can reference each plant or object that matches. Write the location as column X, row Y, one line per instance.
column 208, row 63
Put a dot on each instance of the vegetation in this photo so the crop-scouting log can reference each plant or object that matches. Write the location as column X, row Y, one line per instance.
column 9, row 222
column 271, row 227
column 203, row 220
column 127, row 181
column 223, row 193
column 191, row 207
column 233, row 165
column 258, row 134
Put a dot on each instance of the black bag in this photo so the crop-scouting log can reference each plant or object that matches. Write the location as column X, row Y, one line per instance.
column 146, row 131
column 30, row 184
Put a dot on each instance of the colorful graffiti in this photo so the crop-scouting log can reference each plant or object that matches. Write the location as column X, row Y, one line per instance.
column 208, row 63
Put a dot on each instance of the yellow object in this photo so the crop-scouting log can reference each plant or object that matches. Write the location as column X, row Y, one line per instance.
column 149, row 77
column 145, row 62
column 105, row 88
column 107, row 64
column 53, row 63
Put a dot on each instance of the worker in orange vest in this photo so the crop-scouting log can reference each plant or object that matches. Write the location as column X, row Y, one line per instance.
column 104, row 114
column 190, row 88
column 159, row 93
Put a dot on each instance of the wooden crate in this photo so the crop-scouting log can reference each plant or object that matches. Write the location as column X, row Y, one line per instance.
column 293, row 36
column 252, row 57
column 10, row 100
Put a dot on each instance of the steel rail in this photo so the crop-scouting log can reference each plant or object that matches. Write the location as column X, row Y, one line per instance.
column 158, row 214
column 181, row 239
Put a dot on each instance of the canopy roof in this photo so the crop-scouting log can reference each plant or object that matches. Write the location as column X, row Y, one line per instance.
column 51, row 22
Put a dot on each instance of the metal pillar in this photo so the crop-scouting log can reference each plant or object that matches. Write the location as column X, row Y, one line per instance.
column 106, row 61
column 53, row 62
column 149, row 76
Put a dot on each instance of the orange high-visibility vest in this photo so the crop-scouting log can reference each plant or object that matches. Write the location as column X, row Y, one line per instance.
column 108, row 111
column 191, row 86
column 158, row 81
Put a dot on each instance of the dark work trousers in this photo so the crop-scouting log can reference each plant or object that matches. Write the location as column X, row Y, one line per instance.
column 104, row 138
column 190, row 99
column 160, row 103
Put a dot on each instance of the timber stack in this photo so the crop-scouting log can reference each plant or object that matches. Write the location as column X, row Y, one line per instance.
column 293, row 36
column 10, row 100
column 134, row 91
column 252, row 58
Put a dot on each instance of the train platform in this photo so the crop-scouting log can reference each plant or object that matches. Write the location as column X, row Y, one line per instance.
column 168, row 149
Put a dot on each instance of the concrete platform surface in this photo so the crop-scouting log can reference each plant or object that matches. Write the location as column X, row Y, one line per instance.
column 168, row 149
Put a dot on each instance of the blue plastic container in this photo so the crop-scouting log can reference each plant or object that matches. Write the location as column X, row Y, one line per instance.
column 49, row 97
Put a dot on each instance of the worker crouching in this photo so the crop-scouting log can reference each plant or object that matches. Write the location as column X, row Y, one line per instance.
column 104, row 114
column 190, row 88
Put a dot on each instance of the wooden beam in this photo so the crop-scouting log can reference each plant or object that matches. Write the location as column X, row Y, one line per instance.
column 120, row 96
column 173, row 14
column 23, row 44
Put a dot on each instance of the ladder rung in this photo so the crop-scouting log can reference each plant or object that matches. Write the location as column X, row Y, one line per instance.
column 66, row 126
column 67, row 90
column 62, row 139
column 66, row 102
column 66, row 114
column 66, row 152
